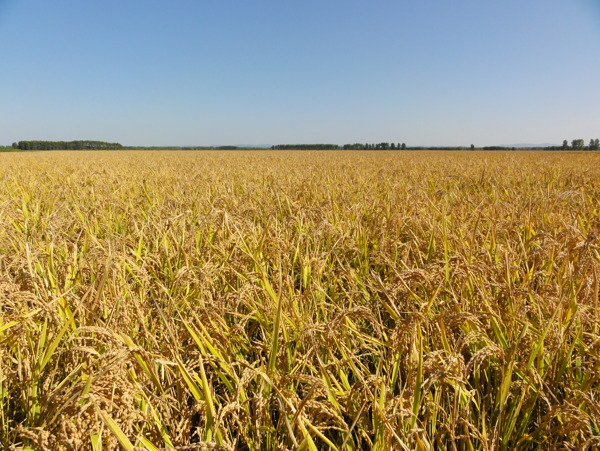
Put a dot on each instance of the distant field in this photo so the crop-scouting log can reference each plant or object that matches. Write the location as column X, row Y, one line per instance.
column 300, row 300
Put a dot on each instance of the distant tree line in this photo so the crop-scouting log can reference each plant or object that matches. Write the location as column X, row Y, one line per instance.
column 579, row 144
column 378, row 146
column 362, row 146
column 439, row 148
column 191, row 148
column 66, row 145
column 305, row 147
column 576, row 144
column 355, row 146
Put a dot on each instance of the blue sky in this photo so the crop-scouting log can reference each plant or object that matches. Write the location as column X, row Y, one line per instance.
column 216, row 72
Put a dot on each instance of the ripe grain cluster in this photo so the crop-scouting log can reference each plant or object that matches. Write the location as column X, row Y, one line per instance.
column 308, row 300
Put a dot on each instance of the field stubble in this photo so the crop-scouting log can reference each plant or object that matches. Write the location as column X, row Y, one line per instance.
column 307, row 300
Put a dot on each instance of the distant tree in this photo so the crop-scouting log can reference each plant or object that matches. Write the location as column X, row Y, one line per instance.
column 594, row 144
column 472, row 146
column 578, row 144
column 565, row 145
column 403, row 146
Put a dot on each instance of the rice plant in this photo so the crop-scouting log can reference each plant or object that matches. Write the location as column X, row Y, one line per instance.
column 299, row 300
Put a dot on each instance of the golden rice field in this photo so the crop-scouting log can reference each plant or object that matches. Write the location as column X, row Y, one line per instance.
column 299, row 300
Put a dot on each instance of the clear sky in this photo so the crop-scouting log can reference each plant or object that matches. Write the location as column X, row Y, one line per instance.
column 217, row 72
